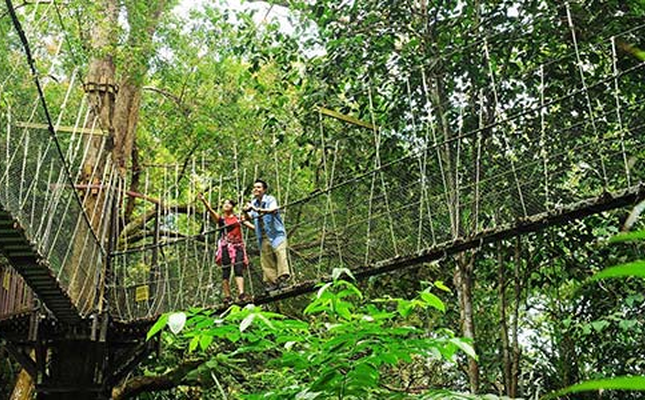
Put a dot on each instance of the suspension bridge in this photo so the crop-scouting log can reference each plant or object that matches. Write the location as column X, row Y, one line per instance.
column 520, row 153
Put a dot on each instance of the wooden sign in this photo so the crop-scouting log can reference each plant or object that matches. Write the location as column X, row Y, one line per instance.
column 6, row 281
column 142, row 293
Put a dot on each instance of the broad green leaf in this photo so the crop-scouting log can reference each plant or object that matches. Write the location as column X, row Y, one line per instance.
column 628, row 324
column 618, row 383
column 628, row 236
column 600, row 325
column 325, row 379
column 193, row 344
column 404, row 307
column 343, row 309
column 433, row 301
column 388, row 358
column 465, row 347
column 205, row 341
column 636, row 268
column 159, row 325
column 266, row 321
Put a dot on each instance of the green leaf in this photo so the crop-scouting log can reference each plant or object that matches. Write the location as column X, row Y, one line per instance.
column 617, row 383
column 325, row 379
column 465, row 347
column 404, row 307
column 433, row 301
column 628, row 324
column 159, row 325
column 389, row 358
column 636, row 268
column 205, row 341
column 628, row 236
column 600, row 325
column 193, row 344
column 440, row 285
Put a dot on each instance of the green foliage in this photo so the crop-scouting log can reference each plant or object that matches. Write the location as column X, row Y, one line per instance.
column 636, row 269
column 345, row 348
column 632, row 383
column 623, row 383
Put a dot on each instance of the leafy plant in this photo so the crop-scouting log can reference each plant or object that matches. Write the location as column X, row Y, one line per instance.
column 625, row 270
column 343, row 350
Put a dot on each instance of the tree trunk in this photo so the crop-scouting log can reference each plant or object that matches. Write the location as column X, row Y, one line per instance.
column 464, row 284
column 506, row 356
column 24, row 387
column 515, row 367
column 126, row 115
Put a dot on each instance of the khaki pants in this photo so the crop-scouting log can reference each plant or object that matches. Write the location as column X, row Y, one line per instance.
column 274, row 261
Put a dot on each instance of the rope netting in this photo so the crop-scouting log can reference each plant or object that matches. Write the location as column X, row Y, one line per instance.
column 528, row 141
column 46, row 147
column 546, row 130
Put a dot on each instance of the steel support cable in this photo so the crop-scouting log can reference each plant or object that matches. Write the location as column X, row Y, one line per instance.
column 545, row 105
column 435, row 145
column 105, row 237
column 497, row 177
column 478, row 160
column 324, row 162
column 476, row 131
column 62, row 178
column 498, row 113
column 614, row 63
column 40, row 160
column 48, row 118
column 584, row 86
column 189, row 275
column 421, row 169
column 577, row 149
column 556, row 61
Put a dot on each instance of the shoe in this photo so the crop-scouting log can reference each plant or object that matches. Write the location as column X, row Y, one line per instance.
column 244, row 298
column 270, row 287
column 227, row 301
column 283, row 281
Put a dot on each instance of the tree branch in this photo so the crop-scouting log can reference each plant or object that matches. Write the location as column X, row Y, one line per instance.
column 170, row 380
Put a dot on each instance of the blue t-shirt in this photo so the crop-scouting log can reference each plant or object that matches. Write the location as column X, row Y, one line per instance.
column 271, row 223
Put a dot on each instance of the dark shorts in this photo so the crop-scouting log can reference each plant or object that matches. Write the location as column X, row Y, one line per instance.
column 238, row 266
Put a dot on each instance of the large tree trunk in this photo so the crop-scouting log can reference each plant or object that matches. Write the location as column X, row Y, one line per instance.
column 515, row 366
column 115, row 109
column 24, row 387
column 501, row 287
column 464, row 284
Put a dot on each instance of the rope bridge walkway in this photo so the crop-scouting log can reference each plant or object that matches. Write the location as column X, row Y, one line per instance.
column 520, row 152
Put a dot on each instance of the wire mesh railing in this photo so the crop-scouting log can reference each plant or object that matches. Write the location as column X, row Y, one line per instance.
column 40, row 171
column 524, row 142
column 500, row 145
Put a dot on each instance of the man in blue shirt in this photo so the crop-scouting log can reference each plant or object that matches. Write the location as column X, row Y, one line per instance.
column 272, row 237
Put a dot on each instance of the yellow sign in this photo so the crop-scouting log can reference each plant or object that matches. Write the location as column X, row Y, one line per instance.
column 6, row 282
column 142, row 293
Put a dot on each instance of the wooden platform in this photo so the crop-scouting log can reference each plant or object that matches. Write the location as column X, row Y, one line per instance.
column 32, row 266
